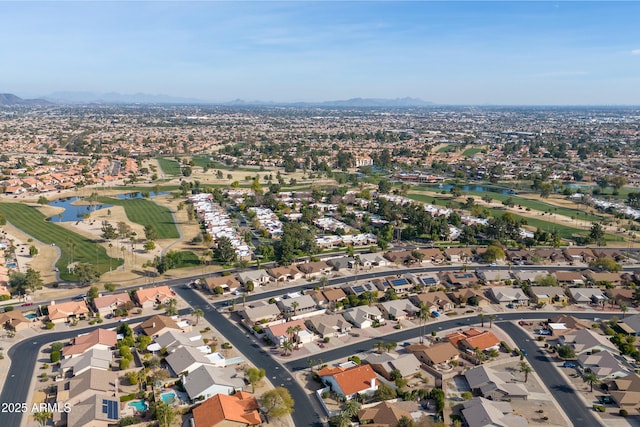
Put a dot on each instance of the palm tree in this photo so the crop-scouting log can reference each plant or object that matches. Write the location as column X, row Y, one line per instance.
column 291, row 332
column 42, row 417
column 324, row 281
column 379, row 346
column 482, row 316
column 491, row 317
column 287, row 346
column 198, row 314
column 591, row 379
column 624, row 308
column 526, row 369
column 297, row 329
column 350, row 408
column 424, row 316
column 294, row 306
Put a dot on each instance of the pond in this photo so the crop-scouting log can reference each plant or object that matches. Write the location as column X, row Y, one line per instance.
column 138, row 195
column 476, row 188
column 73, row 212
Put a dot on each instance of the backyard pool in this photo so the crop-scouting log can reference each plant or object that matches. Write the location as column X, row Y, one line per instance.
column 139, row 405
column 30, row 316
column 168, row 397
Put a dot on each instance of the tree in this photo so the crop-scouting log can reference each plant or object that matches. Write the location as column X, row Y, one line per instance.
column 287, row 346
column 350, row 408
column 405, row 421
column 383, row 186
column 596, row 234
column 254, row 376
column 170, row 307
column 150, row 232
column 33, row 251
column 277, row 403
column 491, row 319
column 566, row 352
column 224, row 251
column 493, row 253
column 526, row 370
column 86, row 273
column 607, row 264
column 108, row 231
column 42, row 417
column 482, row 317
column 624, row 308
column 591, row 379
column 163, row 413
column 92, row 293
column 149, row 245
column 32, row 279
column 109, row 287
column 385, row 392
column 198, row 314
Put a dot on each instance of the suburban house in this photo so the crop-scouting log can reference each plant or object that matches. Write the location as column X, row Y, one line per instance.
column 350, row 381
column 605, row 365
column 92, row 359
column 158, row 325
column 150, row 297
column 435, row 354
column 314, row 268
column 574, row 254
column 258, row 277
column 260, row 312
column 207, row 381
column 87, row 384
column 587, row 295
column 385, row 363
column 585, row 341
column 222, row 410
column 226, row 283
column 480, row 412
column 551, row 255
column 373, row 260
column 188, row 359
column 469, row 296
column 285, row 273
column 459, row 254
column 99, row 410
column 432, row 255
column 529, row 276
column 383, row 414
column 173, row 339
column 548, row 295
column 562, row 324
column 436, row 301
column 277, row 332
column 631, row 324
column 66, row 311
column 359, row 288
column 101, row 339
column 328, row 325
column 494, row 385
column 424, row 279
column 364, row 316
column 505, row 295
column 519, row 256
column 400, row 257
column 14, row 320
column 342, row 263
column 494, row 277
column 296, row 305
column 399, row 284
column 471, row 339
column 108, row 304
column 333, row 295
column 459, row 278
column 398, row 309
column 621, row 296
column 625, row 391
column 568, row 278
column 598, row 277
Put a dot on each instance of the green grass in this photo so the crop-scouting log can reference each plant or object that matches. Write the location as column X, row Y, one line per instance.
column 201, row 160
column 145, row 212
column 470, row 152
column 448, row 149
column 169, row 167
column 33, row 222
column 188, row 259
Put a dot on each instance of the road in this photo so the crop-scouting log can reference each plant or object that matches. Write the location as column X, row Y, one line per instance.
column 304, row 414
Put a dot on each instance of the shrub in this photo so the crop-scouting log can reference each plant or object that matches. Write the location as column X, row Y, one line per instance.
column 55, row 356
column 9, row 308
column 128, row 421
column 124, row 364
column 623, row 413
column 505, row 346
column 127, row 397
column 44, row 377
column 99, row 320
column 598, row 408
column 355, row 359
column 5, row 297
column 50, row 325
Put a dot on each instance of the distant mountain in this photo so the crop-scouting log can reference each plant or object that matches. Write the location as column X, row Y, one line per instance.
column 353, row 102
column 9, row 99
column 119, row 98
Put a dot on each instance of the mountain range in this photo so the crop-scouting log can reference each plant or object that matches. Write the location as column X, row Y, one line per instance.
column 9, row 99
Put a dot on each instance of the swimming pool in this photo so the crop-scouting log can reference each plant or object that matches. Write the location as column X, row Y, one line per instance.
column 140, row 405
column 168, row 397
column 30, row 316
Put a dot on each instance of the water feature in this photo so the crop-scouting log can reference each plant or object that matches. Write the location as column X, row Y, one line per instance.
column 73, row 212
column 138, row 195
column 168, row 397
column 30, row 316
column 470, row 187
column 139, row 405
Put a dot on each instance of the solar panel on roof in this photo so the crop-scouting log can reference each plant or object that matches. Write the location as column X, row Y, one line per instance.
column 358, row 289
column 463, row 275
column 110, row 407
column 429, row 281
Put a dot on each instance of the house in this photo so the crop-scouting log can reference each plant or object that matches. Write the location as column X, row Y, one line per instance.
column 374, row 260
column 548, row 295
column 99, row 410
column 400, row 257
column 459, row 278
column 158, row 325
column 506, row 295
column 463, row 255
column 227, row 283
column 398, row 309
column 150, row 297
column 631, row 324
column 587, row 295
column 385, row 363
column 260, row 312
column 519, row 256
column 258, row 277
column 333, row 295
column 364, row 316
column 359, row 379
column 616, row 254
column 568, row 278
column 207, row 381
column 435, row 354
column 314, row 268
column 597, row 278
column 328, row 325
column 494, row 385
column 585, row 341
column 471, row 339
column 604, row 364
column 342, row 263
column 625, row 391
column 436, row 301
column 358, row 289
column 432, row 255
column 173, row 339
column 102, row 339
column 108, row 304
column 222, row 410
column 285, row 273
column 551, row 255
column 14, row 320
column 188, row 359
column 529, row 276
column 383, row 414
column 66, row 311
column 424, row 279
column 296, row 305
column 574, row 254
column 469, row 296
column 480, row 412
column 562, row 324
column 87, row 384
column 621, row 296
column 492, row 277
column 277, row 332
column 94, row 358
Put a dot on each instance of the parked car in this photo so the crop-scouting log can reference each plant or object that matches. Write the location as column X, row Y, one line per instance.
column 543, row 332
column 523, row 351
column 568, row 365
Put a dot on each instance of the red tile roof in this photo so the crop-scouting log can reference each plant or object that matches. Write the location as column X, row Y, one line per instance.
column 241, row 407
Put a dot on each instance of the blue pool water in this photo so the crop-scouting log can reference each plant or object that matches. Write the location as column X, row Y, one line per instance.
column 12, row 265
column 140, row 405
column 30, row 316
column 168, row 397
column 72, row 212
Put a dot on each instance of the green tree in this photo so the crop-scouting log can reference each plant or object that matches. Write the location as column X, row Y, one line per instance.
column 254, row 376
column 596, row 234
column 591, row 379
column 33, row 251
column 170, row 307
column 150, row 232
column 224, row 251
column 198, row 314
column 108, row 231
column 86, row 273
column 277, row 403
column 526, row 370
column 149, row 245
column 566, row 352
column 405, row 421
column 92, row 293
column 384, row 187
column 350, row 408
column 32, row 279
column 109, row 287
column 42, row 417
column 607, row 264
column 163, row 413
column 385, row 392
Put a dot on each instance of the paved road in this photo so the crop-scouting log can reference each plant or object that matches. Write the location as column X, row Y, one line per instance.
column 304, row 414
column 572, row 405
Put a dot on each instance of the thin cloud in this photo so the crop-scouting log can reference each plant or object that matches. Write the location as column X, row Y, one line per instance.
column 561, row 74
column 635, row 52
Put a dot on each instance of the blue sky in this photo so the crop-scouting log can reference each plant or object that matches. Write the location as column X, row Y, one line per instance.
column 445, row 52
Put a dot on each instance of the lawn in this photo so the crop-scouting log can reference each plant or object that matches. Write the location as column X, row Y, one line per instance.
column 448, row 149
column 169, row 167
column 470, row 152
column 145, row 212
column 33, row 222
column 188, row 259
